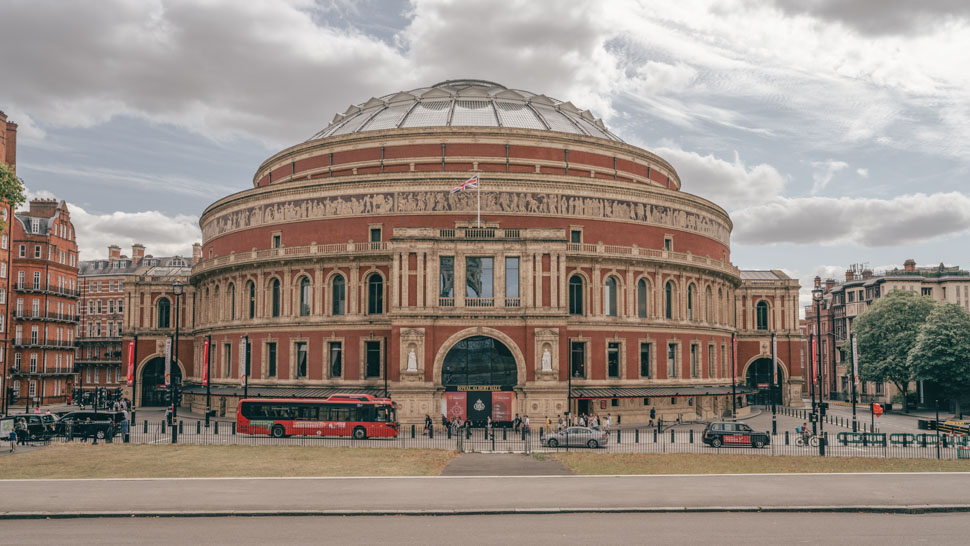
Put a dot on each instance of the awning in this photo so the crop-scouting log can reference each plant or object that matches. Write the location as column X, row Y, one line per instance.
column 281, row 392
column 658, row 392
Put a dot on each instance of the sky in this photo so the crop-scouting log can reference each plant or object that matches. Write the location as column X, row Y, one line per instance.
column 834, row 133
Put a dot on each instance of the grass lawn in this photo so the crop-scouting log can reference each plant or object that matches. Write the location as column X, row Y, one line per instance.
column 689, row 463
column 146, row 461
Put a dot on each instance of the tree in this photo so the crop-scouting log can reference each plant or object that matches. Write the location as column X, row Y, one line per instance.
column 886, row 333
column 11, row 190
column 942, row 351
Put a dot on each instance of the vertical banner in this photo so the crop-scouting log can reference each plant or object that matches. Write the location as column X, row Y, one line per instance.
column 168, row 361
column 205, row 362
column 456, row 404
column 855, row 361
column 502, row 405
column 242, row 361
column 814, row 358
column 774, row 359
column 131, row 363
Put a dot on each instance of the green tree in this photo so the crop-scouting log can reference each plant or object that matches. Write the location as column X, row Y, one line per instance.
column 886, row 333
column 11, row 190
column 942, row 351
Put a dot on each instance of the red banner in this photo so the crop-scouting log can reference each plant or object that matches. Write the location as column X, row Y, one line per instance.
column 814, row 359
column 205, row 362
column 131, row 363
column 502, row 405
column 455, row 404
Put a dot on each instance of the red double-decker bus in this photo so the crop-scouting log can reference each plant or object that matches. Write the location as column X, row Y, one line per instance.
column 356, row 415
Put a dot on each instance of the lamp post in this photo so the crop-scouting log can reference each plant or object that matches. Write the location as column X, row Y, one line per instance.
column 817, row 298
column 177, row 289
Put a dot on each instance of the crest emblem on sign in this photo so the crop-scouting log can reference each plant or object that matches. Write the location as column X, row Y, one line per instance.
column 479, row 405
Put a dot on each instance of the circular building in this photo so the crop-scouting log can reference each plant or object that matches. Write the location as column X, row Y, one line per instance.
column 574, row 276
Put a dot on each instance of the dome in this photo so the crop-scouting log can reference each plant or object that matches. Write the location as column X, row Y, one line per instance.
column 466, row 103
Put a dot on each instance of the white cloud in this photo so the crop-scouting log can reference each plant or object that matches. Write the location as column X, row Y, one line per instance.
column 904, row 219
column 864, row 173
column 730, row 184
column 161, row 234
column 825, row 171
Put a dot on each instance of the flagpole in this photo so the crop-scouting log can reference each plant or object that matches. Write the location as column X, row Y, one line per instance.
column 479, row 193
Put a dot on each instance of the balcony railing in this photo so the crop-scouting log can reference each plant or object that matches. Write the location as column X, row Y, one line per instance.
column 305, row 251
column 513, row 302
column 42, row 287
column 652, row 254
column 446, row 302
column 42, row 344
column 21, row 314
column 479, row 302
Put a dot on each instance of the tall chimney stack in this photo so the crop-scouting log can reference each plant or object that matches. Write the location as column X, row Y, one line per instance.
column 137, row 253
column 196, row 253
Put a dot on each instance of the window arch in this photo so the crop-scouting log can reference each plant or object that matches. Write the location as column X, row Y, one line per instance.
column 642, row 299
column 575, row 295
column 251, row 289
column 375, row 294
column 669, row 294
column 691, row 303
column 164, row 313
column 761, row 310
column 338, row 289
column 274, row 294
column 306, row 297
column 708, row 304
column 609, row 297
column 231, row 295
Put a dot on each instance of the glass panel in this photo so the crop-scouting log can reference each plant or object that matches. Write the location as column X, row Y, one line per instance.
column 556, row 120
column 305, row 297
column 473, row 113
column 354, row 123
column 511, row 277
column 672, row 360
column 428, row 113
column 479, row 360
column 375, row 295
column 301, row 359
column 271, row 359
column 613, row 359
column 642, row 299
column 518, row 115
column 610, row 300
column 276, row 298
column 447, row 276
column 373, row 349
column 389, row 117
column 339, row 296
column 478, row 277
column 577, row 358
column 645, row 360
column 336, row 364
column 575, row 296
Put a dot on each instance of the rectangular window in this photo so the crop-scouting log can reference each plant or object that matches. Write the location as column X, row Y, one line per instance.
column 645, row 360
column 32, row 389
column 710, row 361
column 375, row 235
column 121, row 308
column 512, row 277
column 577, row 358
column 613, row 359
column 271, row 359
column 33, row 363
column 227, row 360
column 668, row 243
column 36, row 251
column 446, row 274
column 478, row 277
column 36, row 279
column 927, row 291
column 277, row 241
column 576, row 236
column 23, row 251
column 671, row 360
column 693, row 361
column 373, row 352
column 336, row 358
column 301, row 359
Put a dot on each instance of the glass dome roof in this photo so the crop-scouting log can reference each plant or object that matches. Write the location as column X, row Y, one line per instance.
column 466, row 103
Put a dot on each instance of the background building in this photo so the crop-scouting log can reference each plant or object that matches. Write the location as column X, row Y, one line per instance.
column 8, row 156
column 844, row 301
column 591, row 284
column 45, row 297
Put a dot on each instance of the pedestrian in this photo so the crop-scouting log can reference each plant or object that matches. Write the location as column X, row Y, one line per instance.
column 13, row 440
column 527, row 434
column 488, row 426
column 69, row 430
column 21, row 428
column 427, row 424
column 609, row 422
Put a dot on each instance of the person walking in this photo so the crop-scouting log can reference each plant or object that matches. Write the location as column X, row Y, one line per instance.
column 608, row 423
column 427, row 424
column 21, row 428
column 527, row 434
column 69, row 430
column 13, row 440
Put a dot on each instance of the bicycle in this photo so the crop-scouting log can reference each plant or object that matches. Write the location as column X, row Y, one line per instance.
column 803, row 440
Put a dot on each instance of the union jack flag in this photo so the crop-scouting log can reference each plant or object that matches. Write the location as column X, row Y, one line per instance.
column 471, row 183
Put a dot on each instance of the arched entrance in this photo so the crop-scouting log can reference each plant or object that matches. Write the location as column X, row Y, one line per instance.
column 153, row 389
column 479, row 374
column 759, row 376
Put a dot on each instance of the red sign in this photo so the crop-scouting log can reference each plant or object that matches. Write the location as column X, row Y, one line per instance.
column 205, row 362
column 455, row 405
column 131, row 363
column 502, row 405
column 876, row 409
column 763, row 385
column 737, row 438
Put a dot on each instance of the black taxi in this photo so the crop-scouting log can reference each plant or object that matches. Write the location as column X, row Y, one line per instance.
column 725, row 433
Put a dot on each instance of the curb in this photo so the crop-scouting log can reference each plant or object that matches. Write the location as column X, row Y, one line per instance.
column 869, row 509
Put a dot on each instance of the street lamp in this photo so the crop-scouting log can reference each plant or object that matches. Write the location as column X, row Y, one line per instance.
column 817, row 426
column 177, row 289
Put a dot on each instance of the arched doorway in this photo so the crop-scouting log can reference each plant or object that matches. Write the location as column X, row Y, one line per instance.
column 153, row 389
column 759, row 376
column 479, row 374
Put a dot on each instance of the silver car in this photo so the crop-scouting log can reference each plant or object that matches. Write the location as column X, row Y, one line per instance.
column 576, row 436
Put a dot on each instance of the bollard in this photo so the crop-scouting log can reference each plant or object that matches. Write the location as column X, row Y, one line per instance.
column 654, row 436
column 145, row 431
column 619, row 418
column 163, row 427
column 412, row 430
column 505, row 433
column 181, row 430
column 216, row 425
column 468, row 433
column 671, row 435
column 175, row 434
column 636, row 436
column 493, row 439
column 786, row 438
column 233, row 428
column 431, row 432
column 448, row 430
column 617, row 435
column 691, row 435
column 198, row 427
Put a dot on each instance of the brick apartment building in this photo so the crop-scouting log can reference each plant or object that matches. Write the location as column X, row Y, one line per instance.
column 8, row 156
column 44, row 297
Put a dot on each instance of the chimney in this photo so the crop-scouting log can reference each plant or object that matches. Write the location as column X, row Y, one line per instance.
column 114, row 253
column 849, row 275
column 909, row 265
column 10, row 156
column 42, row 208
column 196, row 253
column 829, row 285
column 137, row 253
column 866, row 273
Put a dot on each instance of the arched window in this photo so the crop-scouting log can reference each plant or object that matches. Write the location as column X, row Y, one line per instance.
column 231, row 294
column 252, row 299
column 762, row 312
column 164, row 313
column 306, row 296
column 575, row 295
column 275, row 295
column 642, row 298
column 375, row 295
column 669, row 300
column 690, row 302
column 609, row 297
column 339, row 295
column 708, row 304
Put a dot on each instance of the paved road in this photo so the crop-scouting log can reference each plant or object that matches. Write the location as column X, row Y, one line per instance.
column 479, row 494
column 718, row 528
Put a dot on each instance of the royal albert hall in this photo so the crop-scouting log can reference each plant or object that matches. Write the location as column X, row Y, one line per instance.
column 589, row 282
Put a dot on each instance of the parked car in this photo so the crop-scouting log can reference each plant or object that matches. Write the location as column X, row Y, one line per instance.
column 40, row 426
column 114, row 418
column 576, row 436
column 722, row 433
